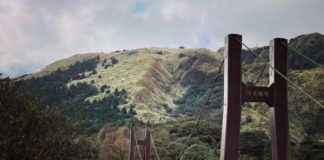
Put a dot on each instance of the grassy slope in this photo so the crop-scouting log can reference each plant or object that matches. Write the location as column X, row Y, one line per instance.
column 151, row 76
column 157, row 76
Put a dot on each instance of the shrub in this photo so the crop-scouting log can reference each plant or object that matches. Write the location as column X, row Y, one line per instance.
column 133, row 52
column 131, row 110
column 199, row 152
column 159, row 52
column 248, row 119
column 106, row 66
column 114, row 60
column 167, row 108
column 181, row 55
column 114, row 143
column 103, row 88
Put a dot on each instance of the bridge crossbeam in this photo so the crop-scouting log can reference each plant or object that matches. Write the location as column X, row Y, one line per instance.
column 257, row 94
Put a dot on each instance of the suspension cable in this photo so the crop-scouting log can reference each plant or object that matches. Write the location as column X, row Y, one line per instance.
column 137, row 148
column 152, row 139
column 301, row 54
column 283, row 76
column 260, row 75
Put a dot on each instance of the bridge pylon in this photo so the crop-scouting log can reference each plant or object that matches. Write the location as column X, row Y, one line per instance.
column 236, row 93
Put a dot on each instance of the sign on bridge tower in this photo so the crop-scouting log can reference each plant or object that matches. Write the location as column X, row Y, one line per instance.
column 236, row 93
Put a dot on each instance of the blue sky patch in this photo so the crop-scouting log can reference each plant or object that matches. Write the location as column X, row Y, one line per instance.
column 140, row 7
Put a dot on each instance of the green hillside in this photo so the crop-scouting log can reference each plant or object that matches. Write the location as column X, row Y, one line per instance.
column 157, row 80
column 171, row 86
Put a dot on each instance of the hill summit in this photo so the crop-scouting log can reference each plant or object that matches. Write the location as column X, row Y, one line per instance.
column 170, row 87
column 159, row 81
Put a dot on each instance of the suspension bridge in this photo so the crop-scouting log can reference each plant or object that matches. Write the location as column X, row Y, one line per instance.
column 236, row 93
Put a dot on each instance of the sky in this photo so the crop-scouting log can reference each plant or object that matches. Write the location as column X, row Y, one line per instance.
column 35, row 33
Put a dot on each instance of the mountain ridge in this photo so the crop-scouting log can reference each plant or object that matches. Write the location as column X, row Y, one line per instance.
column 160, row 76
column 171, row 87
column 152, row 76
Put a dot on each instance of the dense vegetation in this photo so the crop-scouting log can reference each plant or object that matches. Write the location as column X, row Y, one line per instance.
column 91, row 115
column 68, row 106
column 311, row 45
column 33, row 132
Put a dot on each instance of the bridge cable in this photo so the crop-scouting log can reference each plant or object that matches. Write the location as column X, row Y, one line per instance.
column 204, row 110
column 283, row 76
column 152, row 140
column 301, row 54
column 137, row 148
column 260, row 75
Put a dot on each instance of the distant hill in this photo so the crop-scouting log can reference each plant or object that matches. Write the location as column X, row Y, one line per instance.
column 159, row 81
column 311, row 45
column 163, row 85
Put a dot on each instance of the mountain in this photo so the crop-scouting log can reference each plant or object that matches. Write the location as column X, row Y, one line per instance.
column 157, row 80
column 170, row 87
column 311, row 45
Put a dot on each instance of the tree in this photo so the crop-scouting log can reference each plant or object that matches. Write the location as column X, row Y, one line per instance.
column 114, row 145
column 131, row 110
column 30, row 131
column 199, row 152
column 116, row 92
column 114, row 60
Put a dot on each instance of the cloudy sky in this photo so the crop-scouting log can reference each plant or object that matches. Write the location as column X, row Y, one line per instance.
column 34, row 33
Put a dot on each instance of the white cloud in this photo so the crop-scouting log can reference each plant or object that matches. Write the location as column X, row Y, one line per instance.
column 34, row 33
column 178, row 10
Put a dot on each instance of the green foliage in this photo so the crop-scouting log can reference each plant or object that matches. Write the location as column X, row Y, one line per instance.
column 167, row 108
column 159, row 52
column 254, row 144
column 199, row 152
column 131, row 110
column 78, row 76
column 248, row 119
column 30, row 131
column 89, row 110
column 184, row 137
column 96, row 114
column 90, row 116
column 206, row 93
column 311, row 45
column 181, row 55
column 103, row 88
column 114, row 60
column 311, row 149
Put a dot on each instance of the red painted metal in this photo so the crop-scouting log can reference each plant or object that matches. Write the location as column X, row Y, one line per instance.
column 236, row 92
column 146, row 143
column 232, row 98
column 257, row 94
column 279, row 109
